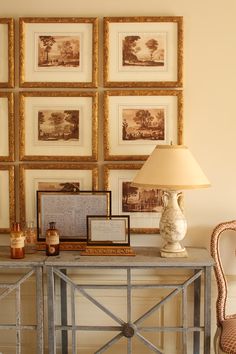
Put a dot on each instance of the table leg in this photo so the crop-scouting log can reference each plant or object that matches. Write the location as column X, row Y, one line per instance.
column 51, row 311
column 64, row 334
column 207, row 311
column 39, row 300
column 197, row 300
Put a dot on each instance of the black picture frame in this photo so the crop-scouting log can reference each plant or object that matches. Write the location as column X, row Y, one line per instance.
column 69, row 210
column 105, row 233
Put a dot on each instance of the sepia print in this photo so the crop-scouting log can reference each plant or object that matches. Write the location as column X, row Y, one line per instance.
column 143, row 124
column 140, row 199
column 144, row 49
column 58, row 51
column 59, row 186
column 54, row 125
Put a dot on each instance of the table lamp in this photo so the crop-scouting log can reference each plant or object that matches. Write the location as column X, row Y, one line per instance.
column 171, row 168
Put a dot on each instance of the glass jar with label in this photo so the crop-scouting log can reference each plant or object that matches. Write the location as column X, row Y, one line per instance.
column 30, row 238
column 17, row 241
column 52, row 240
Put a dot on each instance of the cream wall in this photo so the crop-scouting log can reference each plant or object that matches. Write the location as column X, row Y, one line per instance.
column 209, row 96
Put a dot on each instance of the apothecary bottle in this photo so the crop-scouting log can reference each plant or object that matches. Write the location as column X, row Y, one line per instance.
column 30, row 237
column 52, row 240
column 17, row 241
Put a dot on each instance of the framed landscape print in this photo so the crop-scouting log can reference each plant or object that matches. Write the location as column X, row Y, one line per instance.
column 136, row 121
column 143, row 205
column 6, row 126
column 52, row 177
column 58, row 126
column 143, row 51
column 58, row 52
column 7, row 76
column 7, row 200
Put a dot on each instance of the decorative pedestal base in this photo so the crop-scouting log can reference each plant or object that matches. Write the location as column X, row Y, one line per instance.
column 181, row 254
column 107, row 251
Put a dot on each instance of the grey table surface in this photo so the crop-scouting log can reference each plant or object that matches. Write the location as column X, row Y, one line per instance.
column 145, row 256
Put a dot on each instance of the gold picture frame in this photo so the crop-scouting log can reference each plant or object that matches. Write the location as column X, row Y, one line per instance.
column 126, row 137
column 143, row 205
column 7, row 200
column 7, row 45
column 7, row 140
column 67, row 59
column 64, row 123
column 58, row 177
column 143, row 51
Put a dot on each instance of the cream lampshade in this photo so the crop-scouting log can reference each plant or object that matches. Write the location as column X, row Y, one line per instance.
column 171, row 168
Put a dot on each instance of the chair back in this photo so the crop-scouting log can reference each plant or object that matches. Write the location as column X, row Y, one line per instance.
column 218, row 269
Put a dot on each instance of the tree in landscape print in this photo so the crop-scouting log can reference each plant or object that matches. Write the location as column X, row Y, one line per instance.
column 143, row 124
column 57, row 51
column 143, row 49
column 130, row 49
column 47, row 42
column 58, row 125
column 152, row 45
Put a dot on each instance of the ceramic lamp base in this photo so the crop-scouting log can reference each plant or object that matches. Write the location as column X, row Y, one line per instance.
column 180, row 254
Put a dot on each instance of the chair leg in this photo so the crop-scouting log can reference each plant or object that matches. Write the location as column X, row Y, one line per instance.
column 216, row 341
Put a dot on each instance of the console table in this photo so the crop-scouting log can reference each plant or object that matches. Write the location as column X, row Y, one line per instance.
column 197, row 265
column 24, row 269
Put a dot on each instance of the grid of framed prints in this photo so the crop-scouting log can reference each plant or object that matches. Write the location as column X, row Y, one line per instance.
column 59, row 148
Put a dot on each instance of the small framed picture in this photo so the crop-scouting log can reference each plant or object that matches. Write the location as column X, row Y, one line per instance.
column 7, row 140
column 143, row 205
column 58, row 126
column 7, row 75
column 69, row 211
column 7, row 200
column 143, row 51
column 111, row 230
column 58, row 52
column 63, row 177
column 136, row 121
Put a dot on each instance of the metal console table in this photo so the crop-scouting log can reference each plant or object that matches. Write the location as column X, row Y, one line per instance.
column 23, row 269
column 198, row 267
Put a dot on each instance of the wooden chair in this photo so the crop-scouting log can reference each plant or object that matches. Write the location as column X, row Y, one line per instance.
column 225, row 338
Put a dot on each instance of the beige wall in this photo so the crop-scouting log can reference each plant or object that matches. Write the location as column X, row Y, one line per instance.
column 209, row 96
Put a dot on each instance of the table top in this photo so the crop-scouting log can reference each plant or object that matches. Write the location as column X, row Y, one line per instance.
column 145, row 257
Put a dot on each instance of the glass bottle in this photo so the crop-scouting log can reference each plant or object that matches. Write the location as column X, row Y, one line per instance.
column 52, row 240
column 17, row 241
column 30, row 238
